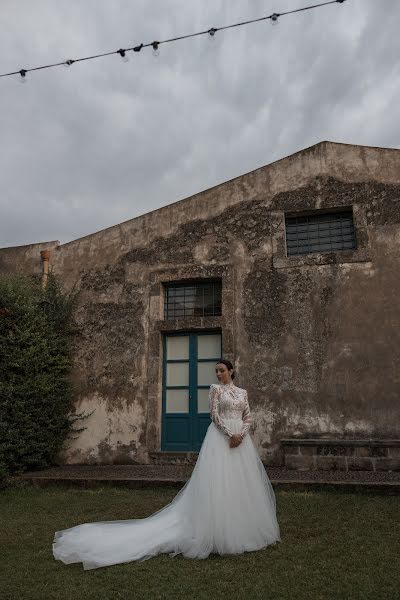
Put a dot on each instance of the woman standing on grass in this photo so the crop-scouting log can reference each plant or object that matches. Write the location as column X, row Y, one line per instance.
column 226, row 507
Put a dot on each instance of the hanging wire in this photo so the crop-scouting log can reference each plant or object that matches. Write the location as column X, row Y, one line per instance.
column 156, row 44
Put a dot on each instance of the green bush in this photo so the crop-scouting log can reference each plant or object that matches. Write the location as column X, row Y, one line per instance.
column 36, row 332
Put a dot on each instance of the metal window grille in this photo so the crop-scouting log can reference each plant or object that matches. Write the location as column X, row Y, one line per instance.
column 192, row 299
column 320, row 232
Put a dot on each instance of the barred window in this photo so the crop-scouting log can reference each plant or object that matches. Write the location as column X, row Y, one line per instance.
column 320, row 232
column 192, row 299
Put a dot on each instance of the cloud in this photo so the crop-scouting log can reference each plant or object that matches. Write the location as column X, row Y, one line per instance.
column 86, row 147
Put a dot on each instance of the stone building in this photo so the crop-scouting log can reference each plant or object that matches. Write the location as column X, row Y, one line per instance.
column 290, row 271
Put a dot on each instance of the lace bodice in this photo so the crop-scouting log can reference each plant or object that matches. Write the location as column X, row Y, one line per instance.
column 227, row 401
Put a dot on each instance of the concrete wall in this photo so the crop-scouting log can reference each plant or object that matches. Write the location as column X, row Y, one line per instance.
column 314, row 339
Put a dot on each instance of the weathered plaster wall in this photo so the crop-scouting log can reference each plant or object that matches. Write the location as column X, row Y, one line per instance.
column 323, row 338
column 315, row 339
column 24, row 259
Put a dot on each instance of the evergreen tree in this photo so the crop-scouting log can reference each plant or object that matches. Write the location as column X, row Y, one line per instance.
column 36, row 393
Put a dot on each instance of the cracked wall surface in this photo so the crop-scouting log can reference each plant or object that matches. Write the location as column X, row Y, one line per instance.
column 314, row 338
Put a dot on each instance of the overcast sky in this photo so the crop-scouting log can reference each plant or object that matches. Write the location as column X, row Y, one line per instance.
column 88, row 146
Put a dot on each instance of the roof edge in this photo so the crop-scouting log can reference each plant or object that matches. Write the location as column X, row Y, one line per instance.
column 214, row 187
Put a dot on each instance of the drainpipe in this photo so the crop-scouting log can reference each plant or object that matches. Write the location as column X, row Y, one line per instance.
column 45, row 254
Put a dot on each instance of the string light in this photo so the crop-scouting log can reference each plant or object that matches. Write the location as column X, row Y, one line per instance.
column 123, row 55
column 211, row 33
column 155, row 45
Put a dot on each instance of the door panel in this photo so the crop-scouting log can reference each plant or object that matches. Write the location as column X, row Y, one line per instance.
column 177, row 434
column 178, row 374
column 178, row 347
column 202, row 400
column 209, row 346
column 206, row 373
column 177, row 401
column 188, row 371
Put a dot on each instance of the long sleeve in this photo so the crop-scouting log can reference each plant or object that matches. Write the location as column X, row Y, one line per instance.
column 214, row 414
column 246, row 416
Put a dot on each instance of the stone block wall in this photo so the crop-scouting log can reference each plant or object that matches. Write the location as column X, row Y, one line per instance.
column 341, row 454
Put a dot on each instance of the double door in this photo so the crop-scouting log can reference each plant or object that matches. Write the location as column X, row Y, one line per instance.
column 188, row 371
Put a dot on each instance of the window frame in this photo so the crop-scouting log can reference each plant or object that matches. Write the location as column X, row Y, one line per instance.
column 281, row 260
column 170, row 312
column 315, row 214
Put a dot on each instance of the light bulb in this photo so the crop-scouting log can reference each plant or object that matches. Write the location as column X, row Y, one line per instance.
column 68, row 62
column 274, row 19
column 156, row 51
column 22, row 78
column 211, row 34
column 123, row 55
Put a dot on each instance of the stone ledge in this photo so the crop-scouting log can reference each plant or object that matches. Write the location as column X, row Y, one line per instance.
column 340, row 442
column 182, row 472
column 319, row 258
column 160, row 457
column 360, row 464
column 347, row 454
column 189, row 323
column 387, row 464
column 379, row 487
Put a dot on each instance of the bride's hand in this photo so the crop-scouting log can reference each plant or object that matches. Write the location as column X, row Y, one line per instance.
column 235, row 440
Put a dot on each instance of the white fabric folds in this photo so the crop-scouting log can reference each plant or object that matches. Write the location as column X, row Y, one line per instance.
column 226, row 507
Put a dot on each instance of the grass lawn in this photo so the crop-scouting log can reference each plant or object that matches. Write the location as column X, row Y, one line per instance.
column 334, row 546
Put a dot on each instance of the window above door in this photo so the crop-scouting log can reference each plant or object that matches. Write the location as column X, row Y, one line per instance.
column 195, row 298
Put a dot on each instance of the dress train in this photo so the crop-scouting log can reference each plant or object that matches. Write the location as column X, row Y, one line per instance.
column 226, row 507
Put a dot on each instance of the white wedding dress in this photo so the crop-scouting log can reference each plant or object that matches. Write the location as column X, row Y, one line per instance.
column 226, row 507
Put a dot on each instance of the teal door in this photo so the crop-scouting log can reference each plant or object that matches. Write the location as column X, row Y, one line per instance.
column 188, row 371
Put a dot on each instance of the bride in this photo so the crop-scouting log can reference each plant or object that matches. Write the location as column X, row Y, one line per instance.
column 226, row 507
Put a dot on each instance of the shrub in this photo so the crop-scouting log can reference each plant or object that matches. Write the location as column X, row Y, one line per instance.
column 36, row 330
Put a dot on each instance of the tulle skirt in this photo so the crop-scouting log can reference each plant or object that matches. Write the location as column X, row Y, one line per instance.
column 226, row 507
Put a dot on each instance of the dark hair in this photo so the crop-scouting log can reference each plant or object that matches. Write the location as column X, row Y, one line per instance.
column 228, row 365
